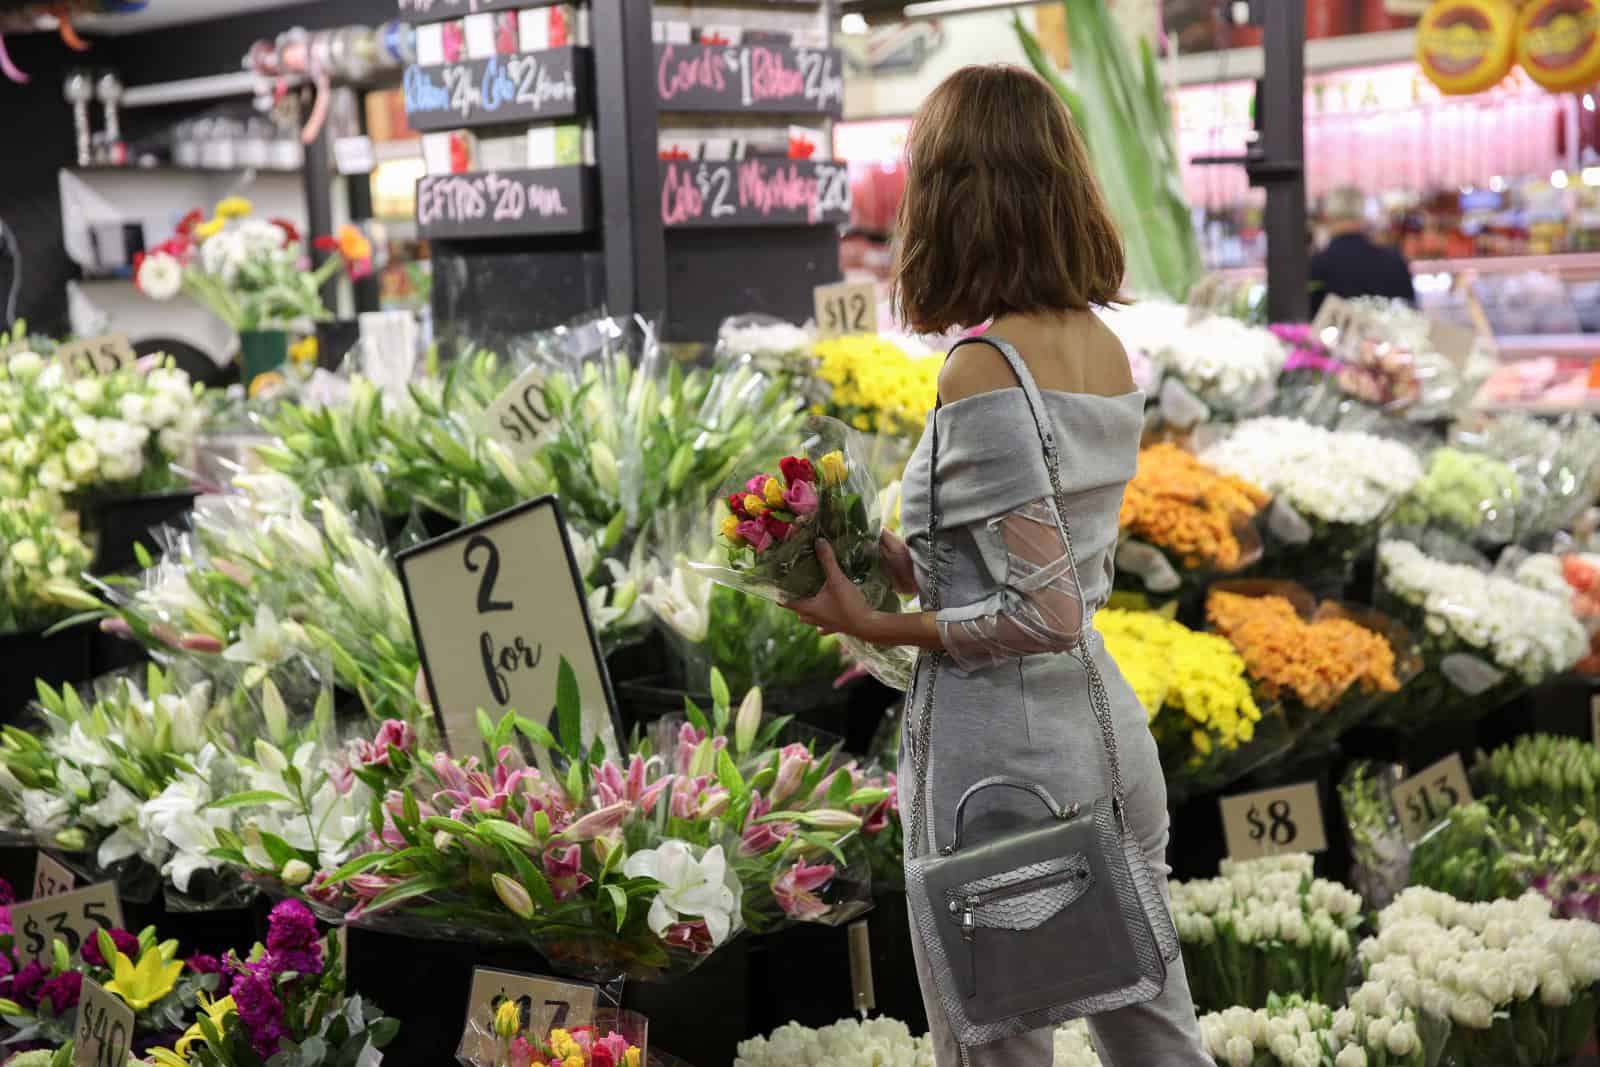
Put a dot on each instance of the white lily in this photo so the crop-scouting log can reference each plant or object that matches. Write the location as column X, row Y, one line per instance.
column 704, row 888
column 682, row 601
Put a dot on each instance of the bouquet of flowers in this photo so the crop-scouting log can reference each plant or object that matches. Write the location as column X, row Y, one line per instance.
column 1265, row 926
column 1229, row 367
column 286, row 1003
column 1206, row 722
column 1469, row 494
column 1483, row 636
column 1333, row 488
column 41, row 565
column 1573, row 575
column 1557, row 464
column 250, row 273
column 877, row 386
column 847, row 1043
column 1377, row 843
column 1371, row 1032
column 1193, row 516
column 776, row 347
column 143, row 973
column 1518, row 984
column 116, row 434
column 1556, row 776
column 1324, row 667
column 505, row 1037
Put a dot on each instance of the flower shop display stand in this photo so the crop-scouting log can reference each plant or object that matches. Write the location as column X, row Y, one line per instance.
column 1561, row 707
column 67, row 656
column 851, row 712
column 121, row 522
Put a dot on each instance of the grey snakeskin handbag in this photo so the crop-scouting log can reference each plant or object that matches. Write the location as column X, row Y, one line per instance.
column 1036, row 926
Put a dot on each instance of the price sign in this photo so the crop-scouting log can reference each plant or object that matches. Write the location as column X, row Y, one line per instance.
column 70, row 917
column 863, row 995
column 517, row 418
column 1421, row 799
column 1274, row 821
column 846, row 308
column 104, row 1030
column 97, row 355
column 51, row 878
column 496, row 607
column 542, row 1004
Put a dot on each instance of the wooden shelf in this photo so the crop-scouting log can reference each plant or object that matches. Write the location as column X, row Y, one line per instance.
column 759, row 191
column 506, row 203
column 745, row 78
column 499, row 91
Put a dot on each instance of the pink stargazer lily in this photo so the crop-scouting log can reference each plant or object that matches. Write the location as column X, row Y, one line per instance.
column 612, row 786
column 689, row 740
column 759, row 838
column 794, row 889
column 563, row 868
column 595, row 823
column 793, row 762
column 694, row 936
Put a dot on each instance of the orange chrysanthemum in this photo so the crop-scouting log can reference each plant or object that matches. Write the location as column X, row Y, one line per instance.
column 1316, row 662
column 1178, row 503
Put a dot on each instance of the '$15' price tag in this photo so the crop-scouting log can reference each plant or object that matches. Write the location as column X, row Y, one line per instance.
column 71, row 917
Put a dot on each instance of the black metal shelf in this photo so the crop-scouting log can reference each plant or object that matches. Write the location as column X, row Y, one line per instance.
column 519, row 89
column 755, row 191
column 507, row 203
column 754, row 77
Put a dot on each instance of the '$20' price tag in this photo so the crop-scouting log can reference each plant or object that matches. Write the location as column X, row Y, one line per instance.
column 104, row 1030
column 1274, row 821
column 72, row 917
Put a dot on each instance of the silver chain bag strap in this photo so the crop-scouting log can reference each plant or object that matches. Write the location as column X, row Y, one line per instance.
column 1032, row 927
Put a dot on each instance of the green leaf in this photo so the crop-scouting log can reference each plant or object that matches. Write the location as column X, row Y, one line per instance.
column 619, row 904
column 569, row 710
column 728, row 774
column 719, row 697
column 406, row 890
column 364, row 862
column 696, row 717
column 245, row 799
column 507, row 832
column 536, row 734
column 840, row 788
column 832, row 847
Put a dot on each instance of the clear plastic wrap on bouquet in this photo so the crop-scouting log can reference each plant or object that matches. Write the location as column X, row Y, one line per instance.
column 1379, row 851
column 775, row 347
column 770, row 524
column 508, row 1032
column 1557, row 465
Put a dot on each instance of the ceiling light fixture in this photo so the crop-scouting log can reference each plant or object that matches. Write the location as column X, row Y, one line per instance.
column 925, row 8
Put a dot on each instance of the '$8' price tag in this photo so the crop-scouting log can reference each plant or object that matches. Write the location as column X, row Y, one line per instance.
column 1273, row 821
column 69, row 917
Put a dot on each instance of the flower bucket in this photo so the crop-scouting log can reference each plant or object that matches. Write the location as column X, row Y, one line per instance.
column 64, row 657
column 261, row 352
column 119, row 523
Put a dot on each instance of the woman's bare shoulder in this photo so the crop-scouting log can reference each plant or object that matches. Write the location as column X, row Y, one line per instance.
column 971, row 369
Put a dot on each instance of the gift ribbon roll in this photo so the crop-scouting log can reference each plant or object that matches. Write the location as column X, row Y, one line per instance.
column 9, row 68
column 68, row 34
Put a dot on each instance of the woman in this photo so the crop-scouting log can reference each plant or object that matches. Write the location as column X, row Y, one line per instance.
column 1002, row 220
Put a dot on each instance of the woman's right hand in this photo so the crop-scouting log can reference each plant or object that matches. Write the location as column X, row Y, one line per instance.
column 897, row 559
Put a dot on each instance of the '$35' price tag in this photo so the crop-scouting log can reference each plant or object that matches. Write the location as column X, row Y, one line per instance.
column 70, row 917
column 1273, row 821
column 104, row 1030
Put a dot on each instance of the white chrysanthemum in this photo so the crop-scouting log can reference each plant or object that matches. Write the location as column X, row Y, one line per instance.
column 160, row 276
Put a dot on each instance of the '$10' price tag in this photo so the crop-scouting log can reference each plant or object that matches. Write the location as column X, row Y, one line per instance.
column 70, row 917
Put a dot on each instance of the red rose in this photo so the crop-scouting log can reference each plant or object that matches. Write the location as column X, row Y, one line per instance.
column 325, row 244
column 290, row 234
column 736, row 504
column 190, row 221
column 600, row 1056
column 797, row 470
column 776, row 526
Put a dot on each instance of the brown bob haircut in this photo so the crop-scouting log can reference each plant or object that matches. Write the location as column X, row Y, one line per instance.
column 1001, row 213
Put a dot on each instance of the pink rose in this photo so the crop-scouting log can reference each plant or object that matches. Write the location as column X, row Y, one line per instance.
column 755, row 535
column 801, row 498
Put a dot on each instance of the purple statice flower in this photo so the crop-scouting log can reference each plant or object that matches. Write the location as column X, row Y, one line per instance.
column 292, row 941
column 25, row 986
column 259, row 1008
column 125, row 943
column 201, row 963
column 62, row 991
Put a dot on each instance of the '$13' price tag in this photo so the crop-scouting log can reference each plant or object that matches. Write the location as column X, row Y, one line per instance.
column 1274, row 821
column 1423, row 798
column 104, row 1030
column 71, row 917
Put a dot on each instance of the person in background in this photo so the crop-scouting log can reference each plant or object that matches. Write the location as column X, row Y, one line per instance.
column 1352, row 264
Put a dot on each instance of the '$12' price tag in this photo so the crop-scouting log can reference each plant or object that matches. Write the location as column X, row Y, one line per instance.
column 72, row 917
column 1274, row 821
column 104, row 1030
column 846, row 308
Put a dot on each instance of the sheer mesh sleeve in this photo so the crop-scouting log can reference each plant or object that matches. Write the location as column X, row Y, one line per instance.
column 1038, row 608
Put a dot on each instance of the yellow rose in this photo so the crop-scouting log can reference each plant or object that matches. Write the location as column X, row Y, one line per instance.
column 507, row 1019
column 631, row 1057
column 754, row 506
column 234, row 207
column 730, row 528
column 832, row 468
column 773, row 493
column 209, row 228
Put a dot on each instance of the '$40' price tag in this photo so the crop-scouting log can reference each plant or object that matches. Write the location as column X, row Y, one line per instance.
column 104, row 1030
column 72, row 917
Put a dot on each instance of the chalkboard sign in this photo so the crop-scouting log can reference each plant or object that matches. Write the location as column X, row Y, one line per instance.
column 505, row 203
column 552, row 84
column 760, row 191
column 438, row 10
column 749, row 77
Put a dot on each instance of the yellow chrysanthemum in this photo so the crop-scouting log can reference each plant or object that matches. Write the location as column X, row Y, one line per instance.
column 304, row 351
column 234, row 207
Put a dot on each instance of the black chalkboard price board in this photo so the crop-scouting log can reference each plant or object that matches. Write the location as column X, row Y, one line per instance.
column 760, row 191
column 750, row 77
column 438, row 10
column 506, row 203
column 522, row 88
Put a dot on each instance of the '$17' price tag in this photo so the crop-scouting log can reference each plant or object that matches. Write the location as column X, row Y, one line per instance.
column 70, row 917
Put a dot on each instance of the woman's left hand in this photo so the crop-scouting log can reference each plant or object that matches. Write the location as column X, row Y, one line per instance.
column 839, row 607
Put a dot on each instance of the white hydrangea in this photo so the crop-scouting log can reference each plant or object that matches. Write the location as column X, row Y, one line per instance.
column 1523, row 629
column 1227, row 363
column 1332, row 475
column 847, row 1043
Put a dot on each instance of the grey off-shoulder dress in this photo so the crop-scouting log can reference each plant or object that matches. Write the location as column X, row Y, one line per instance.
column 1012, row 694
